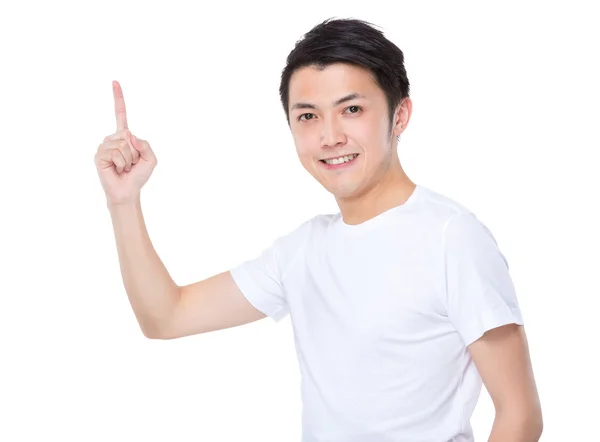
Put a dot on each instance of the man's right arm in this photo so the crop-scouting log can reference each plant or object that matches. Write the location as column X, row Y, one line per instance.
column 163, row 309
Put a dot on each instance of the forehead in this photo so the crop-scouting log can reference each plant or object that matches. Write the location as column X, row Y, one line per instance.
column 336, row 80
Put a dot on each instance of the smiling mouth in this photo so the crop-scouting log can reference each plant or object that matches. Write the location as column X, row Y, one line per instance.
column 340, row 160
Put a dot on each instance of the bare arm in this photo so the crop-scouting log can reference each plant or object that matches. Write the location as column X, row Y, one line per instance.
column 212, row 304
column 502, row 358
column 163, row 309
column 151, row 291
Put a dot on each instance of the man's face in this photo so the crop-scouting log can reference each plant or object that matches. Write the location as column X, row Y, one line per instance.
column 356, row 126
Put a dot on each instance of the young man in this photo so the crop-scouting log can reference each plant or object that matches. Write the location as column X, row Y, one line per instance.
column 401, row 304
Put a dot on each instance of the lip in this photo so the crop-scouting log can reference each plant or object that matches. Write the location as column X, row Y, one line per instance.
column 339, row 166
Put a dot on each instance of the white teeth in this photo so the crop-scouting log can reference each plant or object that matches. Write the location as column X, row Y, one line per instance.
column 342, row 159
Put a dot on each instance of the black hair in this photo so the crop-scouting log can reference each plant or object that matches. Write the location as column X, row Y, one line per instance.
column 354, row 42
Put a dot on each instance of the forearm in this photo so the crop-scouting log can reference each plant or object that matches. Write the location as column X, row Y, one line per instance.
column 151, row 291
column 515, row 427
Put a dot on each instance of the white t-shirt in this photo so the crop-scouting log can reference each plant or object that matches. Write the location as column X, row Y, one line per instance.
column 382, row 313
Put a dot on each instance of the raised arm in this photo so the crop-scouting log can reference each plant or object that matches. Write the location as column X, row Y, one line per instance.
column 163, row 309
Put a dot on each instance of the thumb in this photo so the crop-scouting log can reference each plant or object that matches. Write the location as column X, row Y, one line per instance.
column 143, row 147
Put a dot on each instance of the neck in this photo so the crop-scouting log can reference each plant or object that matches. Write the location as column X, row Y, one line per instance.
column 391, row 191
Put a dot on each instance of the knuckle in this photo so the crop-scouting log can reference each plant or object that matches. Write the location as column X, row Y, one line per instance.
column 120, row 135
column 125, row 150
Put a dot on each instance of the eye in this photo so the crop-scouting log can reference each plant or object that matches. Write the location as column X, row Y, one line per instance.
column 355, row 107
column 300, row 117
column 358, row 108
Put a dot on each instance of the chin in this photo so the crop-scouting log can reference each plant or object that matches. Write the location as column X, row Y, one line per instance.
column 344, row 192
column 340, row 189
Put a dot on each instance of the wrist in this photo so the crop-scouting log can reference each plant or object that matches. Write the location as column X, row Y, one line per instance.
column 115, row 206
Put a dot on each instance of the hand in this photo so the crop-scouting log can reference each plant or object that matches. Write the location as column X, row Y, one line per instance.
column 124, row 162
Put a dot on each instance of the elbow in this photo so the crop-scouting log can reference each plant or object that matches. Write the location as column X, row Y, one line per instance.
column 151, row 335
column 532, row 429
column 155, row 327
column 535, row 423
column 152, row 332
column 537, row 428
column 528, row 425
column 534, row 432
column 160, row 333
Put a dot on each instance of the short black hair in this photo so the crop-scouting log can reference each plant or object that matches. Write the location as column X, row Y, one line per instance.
column 354, row 42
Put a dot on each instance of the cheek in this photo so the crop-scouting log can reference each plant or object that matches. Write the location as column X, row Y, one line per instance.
column 307, row 157
column 366, row 130
column 307, row 147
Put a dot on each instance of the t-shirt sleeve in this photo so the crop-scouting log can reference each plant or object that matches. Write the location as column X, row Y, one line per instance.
column 480, row 294
column 260, row 279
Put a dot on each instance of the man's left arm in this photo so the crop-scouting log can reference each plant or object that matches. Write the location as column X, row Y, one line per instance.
column 502, row 358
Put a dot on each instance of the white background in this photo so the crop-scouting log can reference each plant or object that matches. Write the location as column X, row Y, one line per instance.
column 505, row 120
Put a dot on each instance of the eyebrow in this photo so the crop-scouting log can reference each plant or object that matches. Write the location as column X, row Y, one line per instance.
column 335, row 103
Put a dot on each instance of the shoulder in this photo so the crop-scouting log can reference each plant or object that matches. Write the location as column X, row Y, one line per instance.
column 458, row 227
column 441, row 215
column 467, row 239
column 465, row 226
column 439, row 206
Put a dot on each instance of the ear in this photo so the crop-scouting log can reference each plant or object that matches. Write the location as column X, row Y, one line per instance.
column 402, row 116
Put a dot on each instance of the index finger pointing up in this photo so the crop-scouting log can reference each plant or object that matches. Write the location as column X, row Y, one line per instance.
column 120, row 112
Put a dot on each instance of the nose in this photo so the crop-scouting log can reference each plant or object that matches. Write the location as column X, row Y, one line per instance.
column 332, row 134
